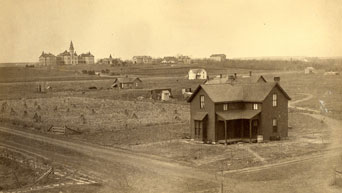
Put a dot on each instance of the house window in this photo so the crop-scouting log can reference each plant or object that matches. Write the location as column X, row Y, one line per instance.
column 198, row 128
column 275, row 125
column 136, row 84
column 225, row 107
column 201, row 101
column 255, row 106
column 274, row 100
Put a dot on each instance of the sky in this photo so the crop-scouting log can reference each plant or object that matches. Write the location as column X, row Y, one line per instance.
column 198, row 28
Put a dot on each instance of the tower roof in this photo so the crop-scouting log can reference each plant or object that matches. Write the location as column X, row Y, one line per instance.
column 71, row 46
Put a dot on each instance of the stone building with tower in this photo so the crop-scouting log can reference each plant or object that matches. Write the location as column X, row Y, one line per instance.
column 66, row 58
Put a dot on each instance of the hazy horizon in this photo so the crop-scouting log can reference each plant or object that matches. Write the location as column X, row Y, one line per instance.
column 198, row 28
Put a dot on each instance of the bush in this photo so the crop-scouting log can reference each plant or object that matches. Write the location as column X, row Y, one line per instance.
column 91, row 72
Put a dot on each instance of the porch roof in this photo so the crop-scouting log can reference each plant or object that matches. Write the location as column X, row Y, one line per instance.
column 199, row 116
column 237, row 114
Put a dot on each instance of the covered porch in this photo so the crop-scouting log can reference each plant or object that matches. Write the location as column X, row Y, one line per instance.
column 237, row 125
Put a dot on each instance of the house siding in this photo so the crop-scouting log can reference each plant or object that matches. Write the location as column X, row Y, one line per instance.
column 280, row 112
column 209, row 108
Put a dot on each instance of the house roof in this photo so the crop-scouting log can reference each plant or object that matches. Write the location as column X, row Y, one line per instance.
column 86, row 55
column 65, row 53
column 126, row 79
column 238, row 80
column 142, row 57
column 196, row 71
column 218, row 55
column 199, row 116
column 253, row 92
column 45, row 55
column 238, row 114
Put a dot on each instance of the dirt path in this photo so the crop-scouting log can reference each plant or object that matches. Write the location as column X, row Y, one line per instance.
column 152, row 163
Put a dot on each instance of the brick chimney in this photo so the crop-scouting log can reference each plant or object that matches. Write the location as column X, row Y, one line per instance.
column 276, row 79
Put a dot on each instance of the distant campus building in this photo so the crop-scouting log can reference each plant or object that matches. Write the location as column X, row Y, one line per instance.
column 218, row 57
column 47, row 59
column 66, row 58
column 142, row 59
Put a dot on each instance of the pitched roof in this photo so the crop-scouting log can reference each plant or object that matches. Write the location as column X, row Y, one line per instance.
column 253, row 92
column 126, row 79
column 86, row 55
column 65, row 53
column 45, row 55
column 238, row 80
column 197, row 71
column 199, row 116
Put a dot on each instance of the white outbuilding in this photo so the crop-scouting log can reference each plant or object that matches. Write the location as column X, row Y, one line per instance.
column 309, row 70
column 197, row 74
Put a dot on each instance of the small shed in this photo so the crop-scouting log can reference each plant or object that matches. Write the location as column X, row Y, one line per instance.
column 165, row 95
column 127, row 83
column 161, row 94
column 309, row 70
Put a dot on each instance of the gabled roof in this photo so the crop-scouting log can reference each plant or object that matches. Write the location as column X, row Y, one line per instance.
column 65, row 53
column 238, row 80
column 86, row 55
column 254, row 92
column 126, row 79
column 197, row 71
column 45, row 55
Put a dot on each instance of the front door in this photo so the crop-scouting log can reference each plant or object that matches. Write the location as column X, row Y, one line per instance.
column 255, row 125
column 200, row 130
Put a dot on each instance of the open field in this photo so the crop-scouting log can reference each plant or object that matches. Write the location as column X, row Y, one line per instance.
column 116, row 118
column 13, row 175
column 92, row 115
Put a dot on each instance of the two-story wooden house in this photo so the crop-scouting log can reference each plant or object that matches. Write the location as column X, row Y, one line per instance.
column 238, row 111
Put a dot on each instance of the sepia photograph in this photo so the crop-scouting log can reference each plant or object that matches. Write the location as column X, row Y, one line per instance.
column 170, row 96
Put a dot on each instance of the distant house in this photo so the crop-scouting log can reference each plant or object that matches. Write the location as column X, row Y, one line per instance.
column 163, row 94
column 142, row 59
column 127, row 83
column 169, row 60
column 218, row 57
column 47, row 59
column 184, row 59
column 309, row 70
column 194, row 74
column 331, row 73
column 226, row 112
column 86, row 58
column 110, row 60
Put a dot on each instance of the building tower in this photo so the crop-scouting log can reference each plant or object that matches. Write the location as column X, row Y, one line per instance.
column 72, row 53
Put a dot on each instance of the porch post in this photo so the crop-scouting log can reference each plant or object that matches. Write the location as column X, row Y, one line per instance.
column 250, row 131
column 225, row 132
column 241, row 127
